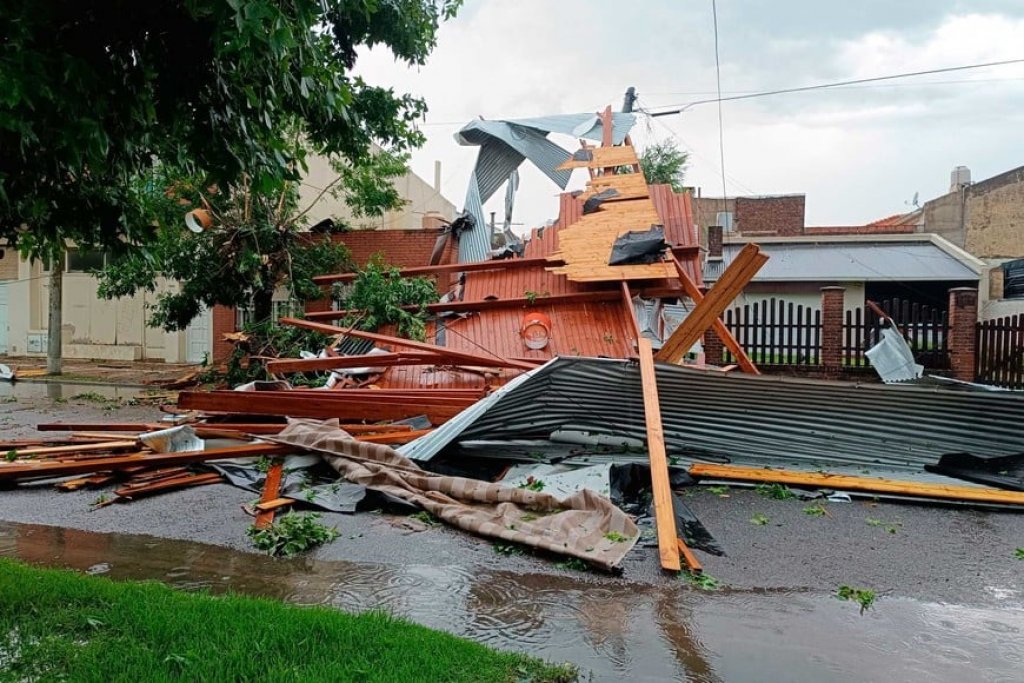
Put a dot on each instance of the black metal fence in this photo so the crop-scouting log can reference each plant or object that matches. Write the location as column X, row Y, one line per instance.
column 775, row 332
column 925, row 328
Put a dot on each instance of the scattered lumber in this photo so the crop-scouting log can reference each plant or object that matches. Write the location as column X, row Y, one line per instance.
column 274, row 504
column 166, row 483
column 469, row 267
column 724, row 333
column 842, row 482
column 75, row 449
column 49, row 468
column 664, row 515
column 487, row 304
column 742, row 269
column 461, row 356
column 322, row 405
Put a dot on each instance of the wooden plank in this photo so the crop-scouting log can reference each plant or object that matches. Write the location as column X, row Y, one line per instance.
column 484, row 304
column 45, row 468
column 101, row 426
column 728, row 340
column 842, row 482
column 469, row 267
column 733, row 280
column 76, row 448
column 627, row 302
column 398, row 438
column 664, row 515
column 271, row 491
column 284, row 366
column 263, row 403
column 167, row 484
column 274, row 504
column 692, row 563
column 602, row 157
column 469, row 358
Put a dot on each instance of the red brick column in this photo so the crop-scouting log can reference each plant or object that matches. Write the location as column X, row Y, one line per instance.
column 963, row 316
column 832, row 308
column 713, row 348
column 224, row 319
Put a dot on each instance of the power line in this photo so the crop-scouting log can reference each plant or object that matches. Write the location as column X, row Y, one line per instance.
column 958, row 81
column 721, row 128
column 682, row 107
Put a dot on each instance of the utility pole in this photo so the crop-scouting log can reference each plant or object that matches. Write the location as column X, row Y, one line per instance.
column 629, row 100
column 55, row 322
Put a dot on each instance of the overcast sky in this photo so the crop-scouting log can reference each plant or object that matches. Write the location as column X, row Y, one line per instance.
column 858, row 153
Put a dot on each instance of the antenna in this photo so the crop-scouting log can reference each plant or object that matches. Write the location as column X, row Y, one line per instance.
column 915, row 202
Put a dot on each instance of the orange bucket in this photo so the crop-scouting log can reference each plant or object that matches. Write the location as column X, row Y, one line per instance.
column 535, row 330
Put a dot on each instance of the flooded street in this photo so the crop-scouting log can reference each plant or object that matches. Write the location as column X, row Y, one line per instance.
column 634, row 632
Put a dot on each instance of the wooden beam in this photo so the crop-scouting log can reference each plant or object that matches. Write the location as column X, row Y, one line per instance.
column 692, row 563
column 469, row 267
column 485, row 304
column 77, row 448
column 723, row 332
column 274, row 504
column 468, row 358
column 288, row 365
column 50, row 468
column 703, row 316
column 627, row 301
column 664, row 515
column 271, row 491
column 271, row 403
column 842, row 482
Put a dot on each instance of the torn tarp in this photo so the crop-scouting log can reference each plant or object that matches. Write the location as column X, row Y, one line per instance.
column 640, row 246
column 582, row 525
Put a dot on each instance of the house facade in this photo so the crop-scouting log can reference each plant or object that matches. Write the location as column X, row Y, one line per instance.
column 116, row 330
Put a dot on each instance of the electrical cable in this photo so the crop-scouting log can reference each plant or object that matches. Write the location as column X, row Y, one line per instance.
column 682, row 107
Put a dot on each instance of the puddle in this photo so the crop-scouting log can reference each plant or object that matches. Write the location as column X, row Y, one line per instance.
column 66, row 390
column 631, row 632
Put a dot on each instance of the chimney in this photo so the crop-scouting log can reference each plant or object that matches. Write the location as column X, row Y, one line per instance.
column 715, row 241
column 437, row 176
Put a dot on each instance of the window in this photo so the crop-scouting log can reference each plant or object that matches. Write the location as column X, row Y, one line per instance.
column 281, row 309
column 1013, row 279
column 85, row 261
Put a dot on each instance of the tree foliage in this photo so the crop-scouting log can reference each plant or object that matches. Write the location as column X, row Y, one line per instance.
column 664, row 163
column 92, row 94
column 380, row 295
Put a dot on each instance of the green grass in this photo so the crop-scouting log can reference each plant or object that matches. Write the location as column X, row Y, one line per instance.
column 774, row 491
column 759, row 519
column 57, row 625
column 865, row 597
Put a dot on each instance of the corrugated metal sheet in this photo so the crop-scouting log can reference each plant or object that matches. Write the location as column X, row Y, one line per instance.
column 581, row 125
column 830, row 261
column 577, row 329
column 719, row 417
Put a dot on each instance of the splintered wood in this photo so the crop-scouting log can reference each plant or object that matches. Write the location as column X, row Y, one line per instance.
column 603, row 157
column 586, row 245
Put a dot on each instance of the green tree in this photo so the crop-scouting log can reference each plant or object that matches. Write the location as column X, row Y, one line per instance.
column 92, row 94
column 664, row 163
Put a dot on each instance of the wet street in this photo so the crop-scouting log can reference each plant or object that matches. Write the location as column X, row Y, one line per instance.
column 615, row 632
column 949, row 605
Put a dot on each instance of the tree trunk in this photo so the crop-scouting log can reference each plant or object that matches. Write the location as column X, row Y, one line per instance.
column 56, row 317
column 262, row 305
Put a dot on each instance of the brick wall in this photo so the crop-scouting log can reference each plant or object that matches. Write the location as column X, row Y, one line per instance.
column 224, row 318
column 403, row 248
column 832, row 330
column 783, row 216
column 962, row 342
column 995, row 216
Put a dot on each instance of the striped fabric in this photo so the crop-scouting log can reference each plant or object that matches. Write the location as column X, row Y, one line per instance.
column 584, row 525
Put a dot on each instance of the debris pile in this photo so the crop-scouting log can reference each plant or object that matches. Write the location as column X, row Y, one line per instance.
column 559, row 398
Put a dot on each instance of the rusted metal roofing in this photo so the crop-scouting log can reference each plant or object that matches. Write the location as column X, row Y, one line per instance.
column 577, row 329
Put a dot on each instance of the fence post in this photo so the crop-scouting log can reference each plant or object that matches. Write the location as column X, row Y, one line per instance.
column 962, row 342
column 713, row 347
column 832, row 307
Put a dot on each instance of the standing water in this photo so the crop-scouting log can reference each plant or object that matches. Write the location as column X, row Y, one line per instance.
column 620, row 632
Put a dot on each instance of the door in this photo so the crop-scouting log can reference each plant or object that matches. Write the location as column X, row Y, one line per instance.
column 4, row 287
column 199, row 338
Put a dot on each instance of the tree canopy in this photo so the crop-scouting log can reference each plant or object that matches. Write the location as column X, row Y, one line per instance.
column 94, row 94
column 664, row 163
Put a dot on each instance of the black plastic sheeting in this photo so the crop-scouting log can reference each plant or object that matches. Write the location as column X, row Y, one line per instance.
column 641, row 246
column 594, row 203
column 631, row 492
column 1000, row 471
